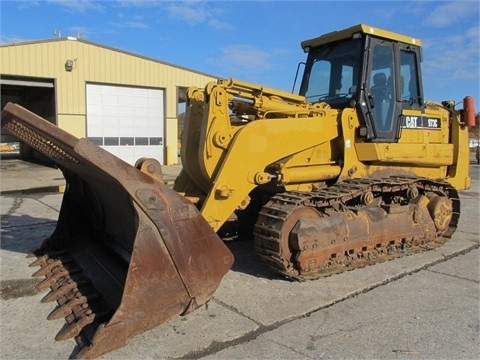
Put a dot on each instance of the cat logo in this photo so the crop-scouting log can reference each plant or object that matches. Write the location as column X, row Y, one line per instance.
column 421, row 122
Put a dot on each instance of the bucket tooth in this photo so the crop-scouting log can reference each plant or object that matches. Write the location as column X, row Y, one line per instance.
column 40, row 261
column 50, row 265
column 57, row 277
column 72, row 330
column 47, row 283
column 40, row 272
column 60, row 312
column 60, row 272
column 46, row 258
column 62, row 290
column 66, row 309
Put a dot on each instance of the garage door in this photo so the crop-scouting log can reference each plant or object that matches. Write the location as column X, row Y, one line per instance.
column 128, row 122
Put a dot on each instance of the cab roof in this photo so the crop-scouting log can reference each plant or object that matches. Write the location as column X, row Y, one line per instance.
column 361, row 28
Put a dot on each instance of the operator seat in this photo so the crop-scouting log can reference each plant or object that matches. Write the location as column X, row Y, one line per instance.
column 379, row 88
column 381, row 101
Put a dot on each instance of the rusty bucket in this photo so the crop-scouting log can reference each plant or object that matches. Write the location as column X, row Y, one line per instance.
column 128, row 253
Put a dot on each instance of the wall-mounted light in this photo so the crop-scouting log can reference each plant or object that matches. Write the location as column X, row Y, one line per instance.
column 69, row 64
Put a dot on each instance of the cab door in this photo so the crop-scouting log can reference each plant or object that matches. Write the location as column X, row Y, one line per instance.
column 383, row 102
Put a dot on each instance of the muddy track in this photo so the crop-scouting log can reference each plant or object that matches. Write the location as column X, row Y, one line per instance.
column 275, row 248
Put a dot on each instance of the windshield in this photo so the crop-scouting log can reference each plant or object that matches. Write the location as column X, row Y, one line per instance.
column 333, row 72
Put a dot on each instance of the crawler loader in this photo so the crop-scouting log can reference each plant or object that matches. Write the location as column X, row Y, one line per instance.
column 356, row 169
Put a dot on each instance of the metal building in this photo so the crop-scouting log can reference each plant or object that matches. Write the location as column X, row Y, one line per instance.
column 124, row 102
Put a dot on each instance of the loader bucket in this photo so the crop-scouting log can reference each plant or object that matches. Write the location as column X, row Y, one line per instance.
column 128, row 253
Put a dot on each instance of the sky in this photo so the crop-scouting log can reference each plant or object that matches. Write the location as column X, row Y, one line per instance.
column 258, row 41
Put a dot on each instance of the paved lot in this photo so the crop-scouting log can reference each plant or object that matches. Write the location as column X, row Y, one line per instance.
column 424, row 306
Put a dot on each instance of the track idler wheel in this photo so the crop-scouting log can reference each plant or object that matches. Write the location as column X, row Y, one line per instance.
column 441, row 210
column 289, row 243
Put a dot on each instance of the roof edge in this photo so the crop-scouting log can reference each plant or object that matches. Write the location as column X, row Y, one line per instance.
column 363, row 28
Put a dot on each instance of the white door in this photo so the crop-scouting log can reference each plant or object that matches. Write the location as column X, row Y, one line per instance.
column 128, row 122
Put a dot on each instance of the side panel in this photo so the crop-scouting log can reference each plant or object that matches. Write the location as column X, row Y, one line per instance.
column 431, row 145
column 459, row 172
column 415, row 155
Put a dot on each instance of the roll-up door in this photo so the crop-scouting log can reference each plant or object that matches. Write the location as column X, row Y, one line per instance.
column 128, row 122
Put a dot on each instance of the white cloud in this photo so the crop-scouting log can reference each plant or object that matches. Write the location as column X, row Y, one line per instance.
column 453, row 57
column 449, row 13
column 25, row 5
column 79, row 5
column 242, row 61
column 193, row 12
column 197, row 12
column 133, row 22
column 220, row 25
column 190, row 11
column 139, row 3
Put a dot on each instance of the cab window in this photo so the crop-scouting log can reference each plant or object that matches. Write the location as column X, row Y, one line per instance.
column 409, row 85
column 382, row 87
column 333, row 72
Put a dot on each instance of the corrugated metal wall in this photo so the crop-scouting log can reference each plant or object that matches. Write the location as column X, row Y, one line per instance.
column 97, row 64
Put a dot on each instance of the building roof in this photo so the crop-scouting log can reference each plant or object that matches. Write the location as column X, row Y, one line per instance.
column 71, row 38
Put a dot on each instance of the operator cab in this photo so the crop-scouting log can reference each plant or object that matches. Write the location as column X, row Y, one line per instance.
column 375, row 71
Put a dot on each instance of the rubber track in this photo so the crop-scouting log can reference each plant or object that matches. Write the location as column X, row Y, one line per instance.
column 271, row 219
